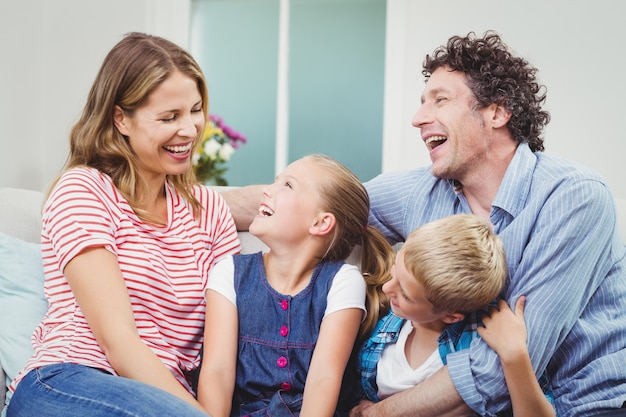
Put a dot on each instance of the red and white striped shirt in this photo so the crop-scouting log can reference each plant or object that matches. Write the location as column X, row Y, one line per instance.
column 165, row 269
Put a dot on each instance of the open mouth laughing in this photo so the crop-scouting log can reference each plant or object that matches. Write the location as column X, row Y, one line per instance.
column 265, row 211
column 178, row 149
column 434, row 141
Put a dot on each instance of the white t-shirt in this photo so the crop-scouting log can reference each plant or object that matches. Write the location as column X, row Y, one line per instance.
column 394, row 374
column 347, row 290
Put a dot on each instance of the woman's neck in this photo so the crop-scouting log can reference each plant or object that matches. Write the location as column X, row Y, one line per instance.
column 153, row 202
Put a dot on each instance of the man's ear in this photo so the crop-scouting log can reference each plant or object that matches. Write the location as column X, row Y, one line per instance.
column 119, row 119
column 500, row 116
column 450, row 318
column 324, row 224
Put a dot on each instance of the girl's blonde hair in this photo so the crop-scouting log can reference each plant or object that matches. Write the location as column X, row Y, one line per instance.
column 346, row 198
column 459, row 260
column 132, row 70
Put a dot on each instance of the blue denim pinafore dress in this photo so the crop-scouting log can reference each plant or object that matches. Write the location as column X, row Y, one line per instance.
column 277, row 335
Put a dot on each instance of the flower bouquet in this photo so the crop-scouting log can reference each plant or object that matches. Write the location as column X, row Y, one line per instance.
column 218, row 144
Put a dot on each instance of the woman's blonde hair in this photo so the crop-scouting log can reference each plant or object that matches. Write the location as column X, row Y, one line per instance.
column 346, row 198
column 132, row 70
column 459, row 260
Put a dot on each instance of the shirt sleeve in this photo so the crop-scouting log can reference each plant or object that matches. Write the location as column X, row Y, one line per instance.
column 400, row 201
column 222, row 279
column 559, row 264
column 347, row 290
column 388, row 193
column 79, row 213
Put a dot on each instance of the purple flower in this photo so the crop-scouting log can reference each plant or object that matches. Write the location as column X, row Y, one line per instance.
column 235, row 137
column 216, row 119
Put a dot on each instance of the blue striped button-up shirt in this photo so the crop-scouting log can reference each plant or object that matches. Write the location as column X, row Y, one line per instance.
column 558, row 222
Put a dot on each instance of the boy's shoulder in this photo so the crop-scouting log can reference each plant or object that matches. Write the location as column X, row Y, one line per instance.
column 388, row 327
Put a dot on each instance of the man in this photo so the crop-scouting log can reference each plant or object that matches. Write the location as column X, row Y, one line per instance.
column 481, row 120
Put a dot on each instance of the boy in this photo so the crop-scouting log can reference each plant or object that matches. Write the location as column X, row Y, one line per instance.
column 445, row 270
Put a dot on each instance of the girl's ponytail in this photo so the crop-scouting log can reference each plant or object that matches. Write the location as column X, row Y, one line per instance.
column 377, row 258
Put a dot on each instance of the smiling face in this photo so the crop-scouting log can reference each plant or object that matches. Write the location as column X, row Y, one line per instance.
column 162, row 131
column 454, row 131
column 407, row 296
column 291, row 205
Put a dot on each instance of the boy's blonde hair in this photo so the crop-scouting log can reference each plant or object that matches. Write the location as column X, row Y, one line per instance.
column 459, row 260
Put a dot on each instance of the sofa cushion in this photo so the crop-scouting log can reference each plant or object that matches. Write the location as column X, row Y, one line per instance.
column 22, row 300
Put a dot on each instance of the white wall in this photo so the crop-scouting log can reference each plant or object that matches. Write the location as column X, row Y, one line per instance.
column 50, row 53
column 578, row 46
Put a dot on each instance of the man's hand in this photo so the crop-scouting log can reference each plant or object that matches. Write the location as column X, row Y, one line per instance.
column 436, row 398
column 361, row 409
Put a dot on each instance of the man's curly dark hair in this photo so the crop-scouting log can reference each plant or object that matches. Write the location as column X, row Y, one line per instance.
column 496, row 76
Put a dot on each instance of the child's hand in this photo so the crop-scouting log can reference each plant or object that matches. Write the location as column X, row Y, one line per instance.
column 505, row 331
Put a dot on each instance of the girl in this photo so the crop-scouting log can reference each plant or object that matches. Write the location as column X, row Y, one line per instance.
column 281, row 325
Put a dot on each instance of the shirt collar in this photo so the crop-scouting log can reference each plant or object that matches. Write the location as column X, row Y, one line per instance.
column 515, row 187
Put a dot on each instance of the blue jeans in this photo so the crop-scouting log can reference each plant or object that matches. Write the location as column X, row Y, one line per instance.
column 72, row 390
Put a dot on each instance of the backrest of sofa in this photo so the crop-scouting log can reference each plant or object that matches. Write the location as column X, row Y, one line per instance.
column 20, row 216
column 20, row 213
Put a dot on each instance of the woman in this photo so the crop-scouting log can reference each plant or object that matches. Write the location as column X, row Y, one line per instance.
column 128, row 240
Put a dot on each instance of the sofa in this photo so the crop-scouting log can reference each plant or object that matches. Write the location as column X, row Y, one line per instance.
column 21, row 275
